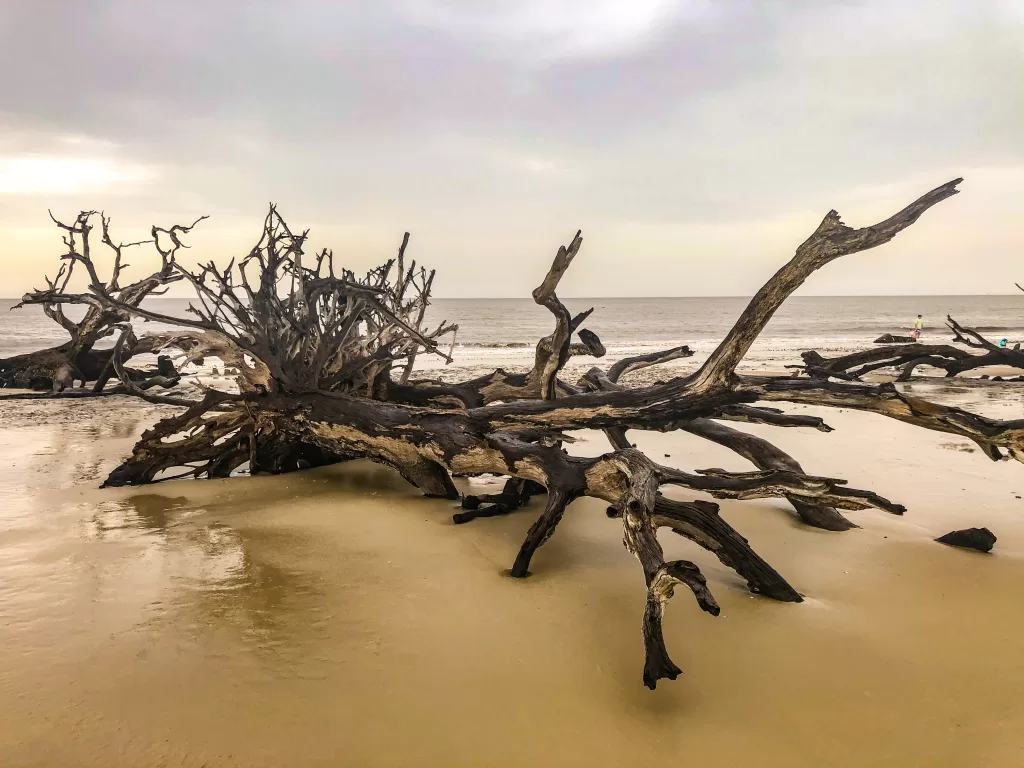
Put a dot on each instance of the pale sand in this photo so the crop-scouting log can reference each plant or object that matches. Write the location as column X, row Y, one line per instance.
column 335, row 618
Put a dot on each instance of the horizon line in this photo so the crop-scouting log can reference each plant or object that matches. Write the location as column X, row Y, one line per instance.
column 688, row 296
column 748, row 296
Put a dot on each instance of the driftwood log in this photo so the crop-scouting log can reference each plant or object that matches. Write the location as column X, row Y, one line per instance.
column 888, row 338
column 908, row 357
column 325, row 365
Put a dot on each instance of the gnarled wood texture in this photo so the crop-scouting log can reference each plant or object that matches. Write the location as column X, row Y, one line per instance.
column 326, row 363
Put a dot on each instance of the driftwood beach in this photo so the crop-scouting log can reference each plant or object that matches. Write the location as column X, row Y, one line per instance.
column 323, row 528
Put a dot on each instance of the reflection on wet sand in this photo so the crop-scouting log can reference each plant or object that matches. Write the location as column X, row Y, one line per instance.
column 333, row 617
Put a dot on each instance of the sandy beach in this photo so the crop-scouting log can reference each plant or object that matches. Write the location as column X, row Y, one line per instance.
column 334, row 617
column 468, row 308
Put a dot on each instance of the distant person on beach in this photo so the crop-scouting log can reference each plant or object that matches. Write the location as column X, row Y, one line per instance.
column 918, row 327
column 1002, row 342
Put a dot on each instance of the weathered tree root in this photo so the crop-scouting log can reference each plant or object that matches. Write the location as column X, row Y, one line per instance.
column 760, row 452
column 542, row 530
column 325, row 364
column 215, row 438
column 657, row 664
column 764, row 455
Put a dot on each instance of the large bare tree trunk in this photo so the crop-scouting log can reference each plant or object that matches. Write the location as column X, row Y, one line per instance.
column 325, row 364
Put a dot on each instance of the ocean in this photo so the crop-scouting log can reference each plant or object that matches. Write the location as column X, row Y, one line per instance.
column 504, row 331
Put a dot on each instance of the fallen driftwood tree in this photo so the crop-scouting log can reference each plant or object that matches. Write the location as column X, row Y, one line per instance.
column 909, row 357
column 59, row 368
column 325, row 366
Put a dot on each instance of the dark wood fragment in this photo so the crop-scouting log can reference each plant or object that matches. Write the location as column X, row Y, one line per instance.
column 981, row 539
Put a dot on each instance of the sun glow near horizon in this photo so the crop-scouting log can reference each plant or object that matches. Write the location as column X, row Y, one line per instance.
column 695, row 143
column 66, row 174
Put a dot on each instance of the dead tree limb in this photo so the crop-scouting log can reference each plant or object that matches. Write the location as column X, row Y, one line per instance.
column 758, row 451
column 831, row 240
column 764, row 455
column 909, row 357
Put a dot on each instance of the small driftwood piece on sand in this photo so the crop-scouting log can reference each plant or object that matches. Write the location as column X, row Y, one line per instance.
column 325, row 363
column 981, row 539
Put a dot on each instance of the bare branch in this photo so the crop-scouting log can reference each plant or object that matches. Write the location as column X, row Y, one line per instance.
column 831, row 240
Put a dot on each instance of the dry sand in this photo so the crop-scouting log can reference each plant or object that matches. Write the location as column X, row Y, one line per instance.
column 335, row 618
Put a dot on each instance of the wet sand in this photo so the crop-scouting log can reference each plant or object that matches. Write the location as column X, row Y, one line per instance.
column 334, row 617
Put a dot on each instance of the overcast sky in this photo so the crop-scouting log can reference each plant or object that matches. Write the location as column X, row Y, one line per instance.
column 695, row 142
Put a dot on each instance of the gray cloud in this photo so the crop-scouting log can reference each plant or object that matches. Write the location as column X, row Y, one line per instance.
column 696, row 142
